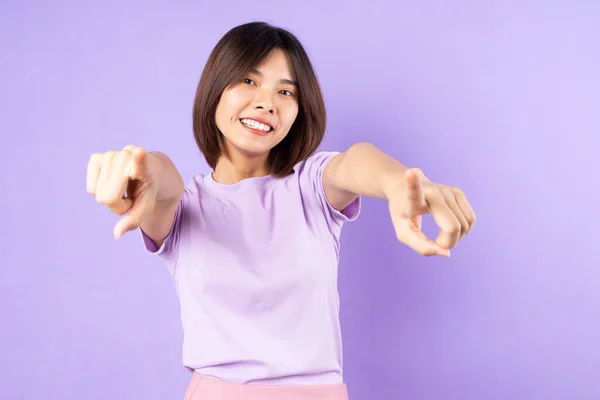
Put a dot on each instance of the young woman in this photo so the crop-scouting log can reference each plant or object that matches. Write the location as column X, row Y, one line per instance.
column 253, row 246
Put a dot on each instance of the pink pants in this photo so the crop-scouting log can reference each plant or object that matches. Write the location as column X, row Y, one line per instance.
column 202, row 388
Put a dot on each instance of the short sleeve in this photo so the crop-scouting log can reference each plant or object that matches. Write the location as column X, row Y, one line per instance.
column 311, row 175
column 169, row 247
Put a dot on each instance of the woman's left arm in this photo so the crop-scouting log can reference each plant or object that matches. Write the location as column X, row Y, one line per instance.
column 363, row 170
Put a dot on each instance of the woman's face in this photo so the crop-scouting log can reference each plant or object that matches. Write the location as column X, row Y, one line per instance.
column 256, row 114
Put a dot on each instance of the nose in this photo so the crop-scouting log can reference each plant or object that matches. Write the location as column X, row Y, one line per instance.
column 264, row 101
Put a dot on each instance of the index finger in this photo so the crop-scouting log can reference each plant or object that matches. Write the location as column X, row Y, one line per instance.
column 138, row 168
column 415, row 193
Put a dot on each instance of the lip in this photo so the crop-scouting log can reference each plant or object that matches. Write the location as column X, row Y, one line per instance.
column 262, row 121
column 255, row 131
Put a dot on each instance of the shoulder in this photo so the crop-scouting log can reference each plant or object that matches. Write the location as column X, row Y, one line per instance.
column 315, row 163
column 196, row 182
column 192, row 190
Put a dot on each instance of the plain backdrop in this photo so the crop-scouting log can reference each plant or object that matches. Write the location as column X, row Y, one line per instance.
column 498, row 98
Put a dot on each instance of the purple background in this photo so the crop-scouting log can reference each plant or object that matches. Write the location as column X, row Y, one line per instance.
column 501, row 99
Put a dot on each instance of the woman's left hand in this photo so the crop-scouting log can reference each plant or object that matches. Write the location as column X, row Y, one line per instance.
column 415, row 196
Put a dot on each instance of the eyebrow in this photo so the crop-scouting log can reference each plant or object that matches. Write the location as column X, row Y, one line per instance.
column 284, row 81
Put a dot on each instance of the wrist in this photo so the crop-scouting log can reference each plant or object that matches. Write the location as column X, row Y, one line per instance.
column 154, row 167
column 164, row 177
column 392, row 183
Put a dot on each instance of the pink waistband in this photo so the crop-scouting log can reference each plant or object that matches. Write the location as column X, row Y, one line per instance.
column 204, row 388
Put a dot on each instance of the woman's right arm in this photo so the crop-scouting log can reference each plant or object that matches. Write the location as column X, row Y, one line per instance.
column 170, row 185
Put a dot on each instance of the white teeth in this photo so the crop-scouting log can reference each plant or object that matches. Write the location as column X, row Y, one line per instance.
column 256, row 125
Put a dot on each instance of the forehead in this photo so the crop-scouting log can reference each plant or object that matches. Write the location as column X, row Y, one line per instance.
column 277, row 63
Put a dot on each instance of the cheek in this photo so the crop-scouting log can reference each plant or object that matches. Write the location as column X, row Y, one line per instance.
column 221, row 112
column 236, row 100
column 228, row 106
column 290, row 116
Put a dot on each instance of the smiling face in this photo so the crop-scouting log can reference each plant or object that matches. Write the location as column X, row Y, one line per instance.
column 258, row 72
column 257, row 113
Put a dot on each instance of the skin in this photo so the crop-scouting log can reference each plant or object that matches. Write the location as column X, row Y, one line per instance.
column 154, row 186
column 265, row 94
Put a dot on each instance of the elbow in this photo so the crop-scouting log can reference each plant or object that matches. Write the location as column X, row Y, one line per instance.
column 360, row 146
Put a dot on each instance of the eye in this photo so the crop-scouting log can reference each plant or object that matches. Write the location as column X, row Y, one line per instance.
column 286, row 93
column 249, row 81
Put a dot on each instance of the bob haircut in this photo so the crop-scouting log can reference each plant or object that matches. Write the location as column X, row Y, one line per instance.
column 235, row 55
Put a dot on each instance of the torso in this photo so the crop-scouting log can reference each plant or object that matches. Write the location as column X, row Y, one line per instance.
column 255, row 268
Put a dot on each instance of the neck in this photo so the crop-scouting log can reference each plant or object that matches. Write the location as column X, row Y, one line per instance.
column 228, row 171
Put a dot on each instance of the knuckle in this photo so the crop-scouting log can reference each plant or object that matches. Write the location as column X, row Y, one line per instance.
column 115, row 206
column 421, row 251
column 448, row 192
column 115, row 159
column 428, row 253
column 125, row 156
column 118, row 210
column 431, row 191
column 96, row 157
column 456, row 228
column 107, row 158
column 102, row 197
column 120, row 154
column 95, row 161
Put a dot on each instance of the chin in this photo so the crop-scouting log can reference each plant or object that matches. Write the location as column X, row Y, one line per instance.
column 254, row 146
column 250, row 148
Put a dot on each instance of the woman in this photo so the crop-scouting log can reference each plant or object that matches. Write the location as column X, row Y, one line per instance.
column 253, row 246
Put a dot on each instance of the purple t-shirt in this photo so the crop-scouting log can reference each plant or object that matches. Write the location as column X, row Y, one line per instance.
column 255, row 268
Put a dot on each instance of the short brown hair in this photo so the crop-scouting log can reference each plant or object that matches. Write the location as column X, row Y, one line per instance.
column 235, row 55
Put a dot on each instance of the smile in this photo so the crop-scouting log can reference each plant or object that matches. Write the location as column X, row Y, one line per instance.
column 255, row 125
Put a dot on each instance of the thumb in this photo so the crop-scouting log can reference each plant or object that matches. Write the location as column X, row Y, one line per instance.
column 140, row 209
column 408, row 233
column 125, row 224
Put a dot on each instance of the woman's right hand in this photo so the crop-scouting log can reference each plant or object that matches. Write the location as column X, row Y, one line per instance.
column 124, row 182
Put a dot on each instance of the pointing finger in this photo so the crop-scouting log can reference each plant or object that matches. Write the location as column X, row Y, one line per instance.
column 415, row 194
column 139, row 164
